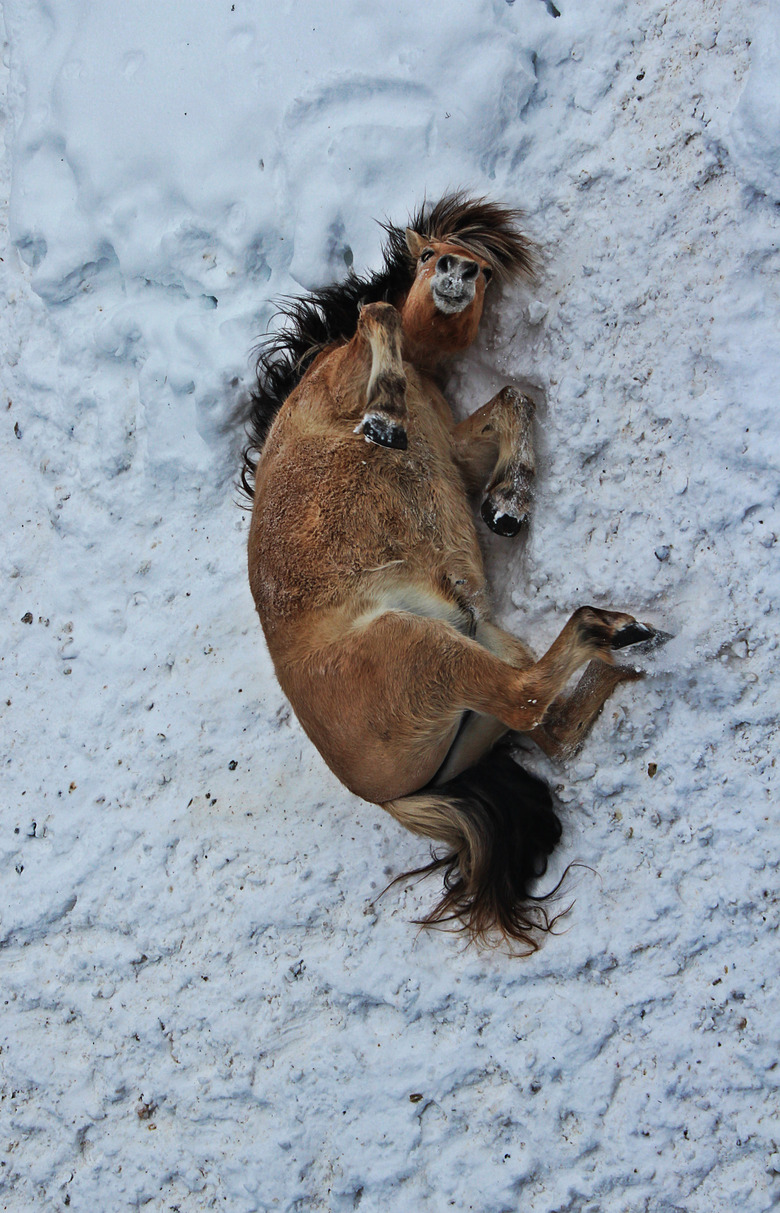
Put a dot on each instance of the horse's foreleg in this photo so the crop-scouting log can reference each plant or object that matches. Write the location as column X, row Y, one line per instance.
column 384, row 421
column 494, row 450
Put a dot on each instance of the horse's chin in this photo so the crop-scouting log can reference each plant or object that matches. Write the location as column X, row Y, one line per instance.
column 451, row 305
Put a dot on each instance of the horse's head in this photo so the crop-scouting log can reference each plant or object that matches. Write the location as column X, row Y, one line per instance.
column 443, row 308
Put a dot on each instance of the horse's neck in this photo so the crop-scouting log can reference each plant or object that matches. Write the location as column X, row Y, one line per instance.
column 427, row 360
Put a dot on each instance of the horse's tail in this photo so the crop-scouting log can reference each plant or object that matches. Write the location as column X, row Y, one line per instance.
column 499, row 826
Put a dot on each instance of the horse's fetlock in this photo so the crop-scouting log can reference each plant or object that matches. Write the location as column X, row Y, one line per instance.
column 594, row 631
column 387, row 393
column 515, row 488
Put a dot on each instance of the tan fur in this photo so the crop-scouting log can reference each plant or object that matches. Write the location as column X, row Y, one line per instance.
column 367, row 574
column 366, row 570
column 429, row 336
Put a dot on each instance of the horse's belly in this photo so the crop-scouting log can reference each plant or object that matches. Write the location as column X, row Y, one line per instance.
column 329, row 514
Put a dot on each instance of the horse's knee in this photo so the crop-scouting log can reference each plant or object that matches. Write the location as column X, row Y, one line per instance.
column 383, row 315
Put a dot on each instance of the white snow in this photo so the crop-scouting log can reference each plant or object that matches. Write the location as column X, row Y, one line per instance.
column 755, row 129
column 205, row 1002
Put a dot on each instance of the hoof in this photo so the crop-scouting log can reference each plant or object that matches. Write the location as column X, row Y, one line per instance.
column 655, row 639
column 632, row 633
column 610, row 630
column 499, row 521
column 382, row 432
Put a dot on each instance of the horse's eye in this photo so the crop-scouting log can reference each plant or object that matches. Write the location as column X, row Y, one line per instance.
column 488, row 273
column 426, row 254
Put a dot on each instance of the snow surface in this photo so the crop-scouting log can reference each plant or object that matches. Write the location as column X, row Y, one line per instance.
column 204, row 1005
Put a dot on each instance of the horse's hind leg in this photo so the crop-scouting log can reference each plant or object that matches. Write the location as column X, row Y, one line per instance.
column 494, row 450
column 569, row 719
column 431, row 674
column 477, row 735
column 385, row 417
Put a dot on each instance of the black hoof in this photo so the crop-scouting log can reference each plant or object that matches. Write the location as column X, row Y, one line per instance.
column 632, row 633
column 656, row 639
column 501, row 522
column 384, row 433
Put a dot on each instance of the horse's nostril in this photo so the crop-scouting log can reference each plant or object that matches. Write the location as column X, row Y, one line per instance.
column 444, row 264
column 469, row 270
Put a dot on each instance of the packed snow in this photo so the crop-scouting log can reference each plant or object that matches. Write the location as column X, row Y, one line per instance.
column 206, row 1003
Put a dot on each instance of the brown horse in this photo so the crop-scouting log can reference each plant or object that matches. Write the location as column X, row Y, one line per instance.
column 366, row 570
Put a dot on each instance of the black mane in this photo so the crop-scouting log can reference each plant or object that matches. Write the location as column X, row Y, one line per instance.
column 330, row 314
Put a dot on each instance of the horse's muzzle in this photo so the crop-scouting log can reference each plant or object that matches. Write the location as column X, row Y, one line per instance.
column 455, row 300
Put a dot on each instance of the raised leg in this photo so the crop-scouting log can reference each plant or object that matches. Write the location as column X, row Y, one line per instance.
column 567, row 720
column 494, row 450
column 384, row 420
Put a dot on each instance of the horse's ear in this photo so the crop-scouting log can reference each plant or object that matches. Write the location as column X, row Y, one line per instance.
column 414, row 242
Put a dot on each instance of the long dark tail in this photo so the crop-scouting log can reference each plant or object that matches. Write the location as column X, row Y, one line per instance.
column 499, row 826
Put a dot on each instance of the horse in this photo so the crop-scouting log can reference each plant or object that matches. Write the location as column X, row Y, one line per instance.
column 367, row 575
